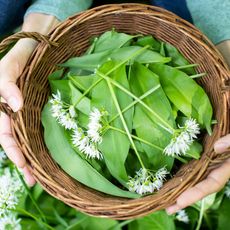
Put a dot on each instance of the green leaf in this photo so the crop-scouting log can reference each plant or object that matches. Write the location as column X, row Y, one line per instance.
column 148, row 56
column 92, row 61
column 155, row 221
column 178, row 59
column 153, row 133
column 111, row 40
column 223, row 219
column 56, row 75
column 115, row 146
column 82, row 82
column 84, row 104
column 85, row 222
column 162, row 49
column 151, row 130
column 63, row 87
column 195, row 150
column 61, row 151
column 185, row 94
column 208, row 201
column 149, row 40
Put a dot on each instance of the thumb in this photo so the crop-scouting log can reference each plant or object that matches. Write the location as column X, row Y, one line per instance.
column 223, row 144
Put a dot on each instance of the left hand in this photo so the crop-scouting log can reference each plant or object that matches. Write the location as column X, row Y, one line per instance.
column 214, row 182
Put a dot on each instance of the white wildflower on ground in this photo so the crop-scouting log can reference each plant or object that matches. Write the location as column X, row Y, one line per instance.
column 182, row 216
column 227, row 190
column 2, row 157
column 146, row 181
column 183, row 138
column 11, row 189
column 10, row 221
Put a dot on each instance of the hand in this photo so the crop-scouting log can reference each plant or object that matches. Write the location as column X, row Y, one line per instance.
column 214, row 182
column 11, row 66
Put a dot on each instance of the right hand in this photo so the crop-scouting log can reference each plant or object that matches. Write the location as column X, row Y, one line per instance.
column 11, row 66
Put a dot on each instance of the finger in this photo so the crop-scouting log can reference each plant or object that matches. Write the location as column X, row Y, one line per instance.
column 8, row 143
column 223, row 144
column 28, row 176
column 11, row 93
column 213, row 183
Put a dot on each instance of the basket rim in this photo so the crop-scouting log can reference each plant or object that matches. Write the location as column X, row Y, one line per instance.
column 19, row 128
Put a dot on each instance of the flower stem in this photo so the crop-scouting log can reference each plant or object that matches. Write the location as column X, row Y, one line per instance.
column 198, row 75
column 86, row 92
column 109, row 72
column 138, row 52
column 24, row 212
column 181, row 159
column 77, row 84
column 135, row 137
column 30, row 195
column 166, row 126
column 201, row 215
column 123, row 121
column 136, row 101
column 186, row 66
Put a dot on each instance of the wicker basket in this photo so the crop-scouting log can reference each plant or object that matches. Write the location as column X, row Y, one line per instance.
column 71, row 38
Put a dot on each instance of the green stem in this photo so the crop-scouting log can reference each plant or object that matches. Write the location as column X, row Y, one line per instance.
column 181, row 159
column 136, row 101
column 123, row 120
column 110, row 71
column 138, row 52
column 137, row 138
column 30, row 195
column 77, row 84
column 167, row 127
column 86, row 92
column 198, row 75
column 201, row 215
column 186, row 66
column 145, row 142
column 121, row 224
column 24, row 212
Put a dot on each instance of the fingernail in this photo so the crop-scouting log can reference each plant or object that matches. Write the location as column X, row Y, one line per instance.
column 221, row 147
column 14, row 104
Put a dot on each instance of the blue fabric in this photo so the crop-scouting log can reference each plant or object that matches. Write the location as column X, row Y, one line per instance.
column 11, row 14
column 179, row 7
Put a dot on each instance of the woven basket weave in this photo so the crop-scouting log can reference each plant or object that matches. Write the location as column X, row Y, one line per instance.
column 71, row 38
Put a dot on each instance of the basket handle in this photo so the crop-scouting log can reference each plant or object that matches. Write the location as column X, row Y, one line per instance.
column 34, row 35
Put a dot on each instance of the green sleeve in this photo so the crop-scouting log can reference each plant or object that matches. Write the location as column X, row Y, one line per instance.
column 212, row 18
column 61, row 9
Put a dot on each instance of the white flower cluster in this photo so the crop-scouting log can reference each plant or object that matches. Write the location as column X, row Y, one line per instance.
column 83, row 143
column 87, row 141
column 182, row 216
column 95, row 125
column 227, row 190
column 182, row 139
column 11, row 189
column 147, row 182
column 63, row 114
column 10, row 222
column 2, row 157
